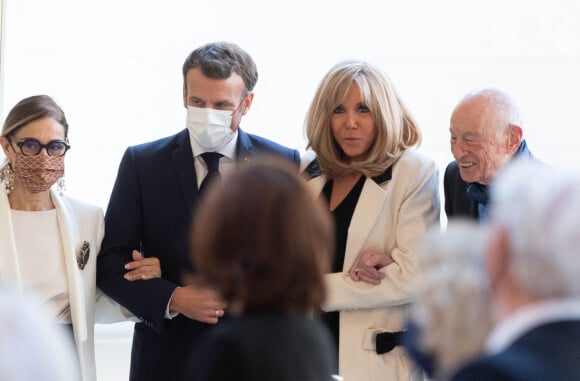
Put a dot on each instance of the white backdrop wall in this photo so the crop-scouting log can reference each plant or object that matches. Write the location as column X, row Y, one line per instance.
column 115, row 66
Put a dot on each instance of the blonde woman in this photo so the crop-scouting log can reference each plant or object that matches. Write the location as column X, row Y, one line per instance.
column 383, row 195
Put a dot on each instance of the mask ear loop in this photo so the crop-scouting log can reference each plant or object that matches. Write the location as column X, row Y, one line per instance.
column 240, row 105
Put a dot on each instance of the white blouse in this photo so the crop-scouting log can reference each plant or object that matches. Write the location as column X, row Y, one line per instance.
column 41, row 260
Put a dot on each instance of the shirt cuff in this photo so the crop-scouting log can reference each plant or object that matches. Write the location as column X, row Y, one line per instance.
column 169, row 315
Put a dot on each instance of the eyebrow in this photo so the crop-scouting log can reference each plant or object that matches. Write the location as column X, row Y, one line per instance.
column 19, row 140
column 224, row 102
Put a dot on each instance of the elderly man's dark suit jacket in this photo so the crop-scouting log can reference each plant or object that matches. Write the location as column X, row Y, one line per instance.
column 151, row 207
column 550, row 352
column 457, row 204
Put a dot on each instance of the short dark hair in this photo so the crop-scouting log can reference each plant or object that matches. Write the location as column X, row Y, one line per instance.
column 31, row 109
column 219, row 59
column 263, row 240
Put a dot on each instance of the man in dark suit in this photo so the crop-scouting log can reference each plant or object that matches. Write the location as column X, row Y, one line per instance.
column 486, row 133
column 532, row 262
column 157, row 190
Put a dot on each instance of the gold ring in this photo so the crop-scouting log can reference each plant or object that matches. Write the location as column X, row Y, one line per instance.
column 217, row 314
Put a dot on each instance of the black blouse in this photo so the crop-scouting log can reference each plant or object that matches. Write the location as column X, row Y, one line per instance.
column 342, row 216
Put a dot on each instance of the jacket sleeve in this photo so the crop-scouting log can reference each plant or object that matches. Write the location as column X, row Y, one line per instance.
column 106, row 309
column 417, row 210
column 147, row 300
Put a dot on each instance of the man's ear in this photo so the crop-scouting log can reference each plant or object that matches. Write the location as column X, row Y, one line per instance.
column 184, row 97
column 247, row 103
column 515, row 136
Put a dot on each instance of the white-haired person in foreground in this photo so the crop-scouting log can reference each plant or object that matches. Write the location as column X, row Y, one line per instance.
column 31, row 347
column 533, row 263
column 451, row 316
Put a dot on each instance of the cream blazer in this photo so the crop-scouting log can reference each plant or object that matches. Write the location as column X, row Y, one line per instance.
column 78, row 222
column 390, row 217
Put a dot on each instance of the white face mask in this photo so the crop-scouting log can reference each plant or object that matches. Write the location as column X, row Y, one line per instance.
column 209, row 127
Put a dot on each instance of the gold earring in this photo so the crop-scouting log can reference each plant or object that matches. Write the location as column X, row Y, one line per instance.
column 60, row 186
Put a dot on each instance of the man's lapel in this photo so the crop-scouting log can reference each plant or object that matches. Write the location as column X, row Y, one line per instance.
column 244, row 147
column 184, row 164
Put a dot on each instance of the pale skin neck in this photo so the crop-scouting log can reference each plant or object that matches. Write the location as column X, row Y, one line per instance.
column 341, row 188
column 21, row 199
column 510, row 298
column 508, row 293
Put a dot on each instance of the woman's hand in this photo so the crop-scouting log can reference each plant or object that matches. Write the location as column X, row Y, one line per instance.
column 367, row 267
column 142, row 268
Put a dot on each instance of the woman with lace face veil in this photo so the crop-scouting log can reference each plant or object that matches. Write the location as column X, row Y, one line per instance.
column 263, row 242
column 383, row 195
column 48, row 241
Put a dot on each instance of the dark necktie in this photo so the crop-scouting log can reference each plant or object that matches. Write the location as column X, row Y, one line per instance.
column 212, row 160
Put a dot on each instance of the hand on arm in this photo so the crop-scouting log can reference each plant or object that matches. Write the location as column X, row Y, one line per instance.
column 142, row 268
column 367, row 267
column 197, row 303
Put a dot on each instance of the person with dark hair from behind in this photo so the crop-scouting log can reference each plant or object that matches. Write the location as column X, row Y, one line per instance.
column 486, row 133
column 157, row 189
column 263, row 241
column 532, row 262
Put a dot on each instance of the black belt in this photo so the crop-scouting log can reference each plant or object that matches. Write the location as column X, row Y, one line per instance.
column 387, row 341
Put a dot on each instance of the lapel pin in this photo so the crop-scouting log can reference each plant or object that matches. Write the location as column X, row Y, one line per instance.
column 83, row 256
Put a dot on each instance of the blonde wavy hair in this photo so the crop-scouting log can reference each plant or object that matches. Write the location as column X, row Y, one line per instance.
column 396, row 128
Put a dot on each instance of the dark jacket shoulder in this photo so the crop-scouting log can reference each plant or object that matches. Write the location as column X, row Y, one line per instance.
column 456, row 202
column 250, row 145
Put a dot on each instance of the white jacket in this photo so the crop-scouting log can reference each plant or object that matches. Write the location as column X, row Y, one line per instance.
column 390, row 217
column 78, row 222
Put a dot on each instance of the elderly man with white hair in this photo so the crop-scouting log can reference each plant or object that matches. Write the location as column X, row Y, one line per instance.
column 31, row 347
column 533, row 264
column 486, row 133
column 451, row 316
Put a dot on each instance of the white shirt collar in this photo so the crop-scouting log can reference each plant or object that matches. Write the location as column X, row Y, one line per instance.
column 229, row 150
column 508, row 330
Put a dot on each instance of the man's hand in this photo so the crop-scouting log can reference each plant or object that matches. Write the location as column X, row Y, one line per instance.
column 197, row 303
column 367, row 267
column 142, row 268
